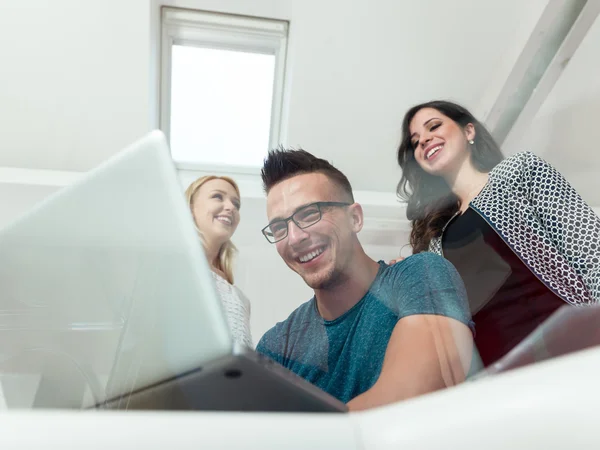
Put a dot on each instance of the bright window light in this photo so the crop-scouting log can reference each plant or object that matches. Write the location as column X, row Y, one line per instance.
column 220, row 105
column 221, row 88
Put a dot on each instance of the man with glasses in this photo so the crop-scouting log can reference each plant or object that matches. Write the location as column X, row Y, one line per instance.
column 372, row 334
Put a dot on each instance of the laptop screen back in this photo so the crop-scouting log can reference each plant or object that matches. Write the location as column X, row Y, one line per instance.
column 105, row 288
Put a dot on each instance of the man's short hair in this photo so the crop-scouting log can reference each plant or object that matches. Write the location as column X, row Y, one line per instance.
column 282, row 164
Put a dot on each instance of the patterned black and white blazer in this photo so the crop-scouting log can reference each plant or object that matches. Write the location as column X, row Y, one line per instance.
column 546, row 223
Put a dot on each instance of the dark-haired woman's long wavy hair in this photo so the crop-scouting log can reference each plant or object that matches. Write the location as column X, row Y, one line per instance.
column 430, row 202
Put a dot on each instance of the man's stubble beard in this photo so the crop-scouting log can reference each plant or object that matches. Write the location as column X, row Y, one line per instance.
column 329, row 281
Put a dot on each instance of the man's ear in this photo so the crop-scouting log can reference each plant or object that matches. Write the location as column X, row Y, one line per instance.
column 355, row 212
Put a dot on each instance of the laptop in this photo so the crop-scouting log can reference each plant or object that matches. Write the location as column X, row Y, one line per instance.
column 107, row 301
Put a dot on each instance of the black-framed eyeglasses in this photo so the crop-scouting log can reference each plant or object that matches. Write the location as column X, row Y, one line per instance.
column 305, row 217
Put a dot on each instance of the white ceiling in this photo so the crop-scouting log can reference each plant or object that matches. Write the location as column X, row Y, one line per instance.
column 563, row 129
column 77, row 82
column 374, row 60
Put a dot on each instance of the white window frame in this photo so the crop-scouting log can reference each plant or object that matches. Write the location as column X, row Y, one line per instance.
column 225, row 32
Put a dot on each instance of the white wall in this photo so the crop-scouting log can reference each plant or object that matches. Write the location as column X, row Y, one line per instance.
column 74, row 82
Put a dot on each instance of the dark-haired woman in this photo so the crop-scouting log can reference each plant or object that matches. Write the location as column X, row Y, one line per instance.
column 523, row 240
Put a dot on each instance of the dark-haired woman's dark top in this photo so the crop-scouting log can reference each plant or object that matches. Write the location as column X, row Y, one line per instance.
column 507, row 300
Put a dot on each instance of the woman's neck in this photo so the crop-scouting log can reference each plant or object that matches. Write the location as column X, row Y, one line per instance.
column 466, row 183
column 211, row 249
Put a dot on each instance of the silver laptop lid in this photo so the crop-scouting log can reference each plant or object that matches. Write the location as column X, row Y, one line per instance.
column 104, row 288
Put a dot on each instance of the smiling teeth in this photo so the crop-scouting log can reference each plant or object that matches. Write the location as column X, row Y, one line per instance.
column 433, row 151
column 311, row 255
column 224, row 219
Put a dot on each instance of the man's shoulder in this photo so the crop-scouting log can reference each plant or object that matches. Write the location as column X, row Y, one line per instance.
column 424, row 283
column 301, row 315
column 417, row 265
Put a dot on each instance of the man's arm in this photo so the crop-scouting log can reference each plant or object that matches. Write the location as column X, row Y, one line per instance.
column 425, row 353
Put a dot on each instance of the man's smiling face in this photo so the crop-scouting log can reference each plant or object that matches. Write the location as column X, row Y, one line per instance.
column 321, row 252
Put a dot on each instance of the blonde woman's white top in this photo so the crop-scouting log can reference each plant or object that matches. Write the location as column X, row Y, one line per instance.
column 237, row 310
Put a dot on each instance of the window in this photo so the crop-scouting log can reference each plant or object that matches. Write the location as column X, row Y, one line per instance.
column 221, row 88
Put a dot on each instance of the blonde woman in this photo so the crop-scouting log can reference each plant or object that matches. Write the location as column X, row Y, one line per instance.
column 215, row 205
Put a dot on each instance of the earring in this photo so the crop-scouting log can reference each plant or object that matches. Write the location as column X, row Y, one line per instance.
column 471, row 141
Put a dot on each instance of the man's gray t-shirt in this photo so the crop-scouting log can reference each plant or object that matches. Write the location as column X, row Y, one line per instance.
column 344, row 356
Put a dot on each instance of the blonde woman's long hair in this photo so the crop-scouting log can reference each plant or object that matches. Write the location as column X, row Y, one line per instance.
column 227, row 251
